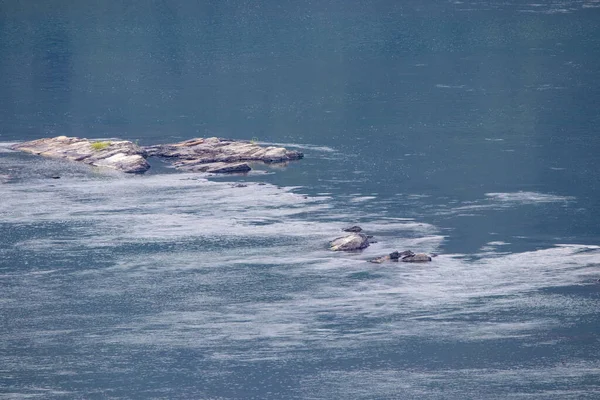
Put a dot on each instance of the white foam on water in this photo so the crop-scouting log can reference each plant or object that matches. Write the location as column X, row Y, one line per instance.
column 5, row 147
column 324, row 149
column 447, row 86
column 361, row 199
column 397, row 301
column 244, row 273
column 257, row 225
column 572, row 380
column 492, row 247
column 501, row 201
column 529, row 197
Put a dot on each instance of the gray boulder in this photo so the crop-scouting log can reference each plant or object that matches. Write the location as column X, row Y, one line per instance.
column 354, row 241
column 418, row 257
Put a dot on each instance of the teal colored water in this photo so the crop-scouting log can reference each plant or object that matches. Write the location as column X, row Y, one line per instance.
column 466, row 129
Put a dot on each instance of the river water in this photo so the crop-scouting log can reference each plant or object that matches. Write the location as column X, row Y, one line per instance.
column 466, row 129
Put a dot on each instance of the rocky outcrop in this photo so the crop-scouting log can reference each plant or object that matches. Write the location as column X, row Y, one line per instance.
column 199, row 154
column 210, row 155
column 354, row 241
column 121, row 155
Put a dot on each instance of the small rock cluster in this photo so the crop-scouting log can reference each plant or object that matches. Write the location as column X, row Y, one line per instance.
column 356, row 240
column 405, row 256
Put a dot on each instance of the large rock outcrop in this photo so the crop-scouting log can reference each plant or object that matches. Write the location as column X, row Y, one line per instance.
column 208, row 155
column 121, row 155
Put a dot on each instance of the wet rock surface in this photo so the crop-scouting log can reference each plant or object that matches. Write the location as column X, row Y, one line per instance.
column 209, row 155
column 354, row 241
column 418, row 257
column 121, row 155
column 215, row 168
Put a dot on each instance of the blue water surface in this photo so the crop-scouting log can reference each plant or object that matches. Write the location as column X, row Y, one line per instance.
column 466, row 129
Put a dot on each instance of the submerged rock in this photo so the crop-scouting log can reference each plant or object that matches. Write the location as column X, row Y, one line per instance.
column 354, row 228
column 121, row 155
column 217, row 168
column 195, row 154
column 380, row 260
column 354, row 241
column 418, row 257
column 405, row 256
column 393, row 256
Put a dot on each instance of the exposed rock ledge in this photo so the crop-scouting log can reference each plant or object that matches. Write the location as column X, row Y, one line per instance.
column 206, row 155
column 212, row 155
column 121, row 155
